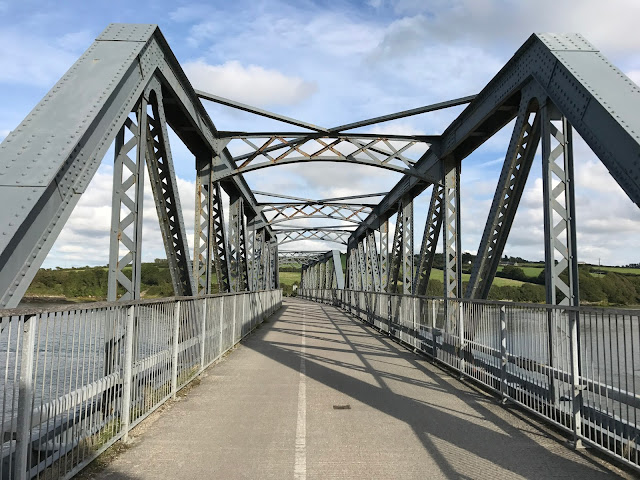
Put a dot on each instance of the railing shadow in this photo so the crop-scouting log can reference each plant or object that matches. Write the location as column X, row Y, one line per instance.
column 467, row 425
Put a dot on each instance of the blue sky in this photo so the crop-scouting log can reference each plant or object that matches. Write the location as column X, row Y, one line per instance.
column 331, row 63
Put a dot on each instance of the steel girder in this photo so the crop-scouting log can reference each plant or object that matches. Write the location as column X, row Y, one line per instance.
column 347, row 212
column 237, row 245
column 515, row 170
column 384, row 256
column 597, row 99
column 165, row 192
column 298, row 258
column 149, row 138
column 373, row 269
column 430, row 238
column 126, row 210
column 325, row 271
column 295, row 234
column 559, row 208
column 396, row 252
column 452, row 246
column 89, row 107
column 364, row 150
column 402, row 250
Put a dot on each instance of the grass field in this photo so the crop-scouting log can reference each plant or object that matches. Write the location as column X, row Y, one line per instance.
column 288, row 278
column 500, row 282
column 529, row 271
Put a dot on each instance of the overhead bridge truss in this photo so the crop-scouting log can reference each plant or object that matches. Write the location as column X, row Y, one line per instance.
column 128, row 90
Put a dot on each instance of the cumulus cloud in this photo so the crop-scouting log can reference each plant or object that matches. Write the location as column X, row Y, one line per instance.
column 252, row 84
column 84, row 239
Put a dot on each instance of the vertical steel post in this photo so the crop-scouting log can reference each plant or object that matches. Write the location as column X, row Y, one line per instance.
column 25, row 397
column 407, row 245
column 203, row 232
column 384, row 256
column 451, row 238
column 128, row 373
column 559, row 208
column 123, row 180
column 176, row 346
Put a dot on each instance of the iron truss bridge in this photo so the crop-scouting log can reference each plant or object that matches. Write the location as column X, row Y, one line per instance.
column 128, row 89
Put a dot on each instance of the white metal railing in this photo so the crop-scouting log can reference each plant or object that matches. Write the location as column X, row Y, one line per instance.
column 74, row 380
column 576, row 367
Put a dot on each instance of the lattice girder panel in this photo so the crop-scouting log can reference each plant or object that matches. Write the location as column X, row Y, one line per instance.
column 559, row 208
column 165, row 192
column 353, row 213
column 126, row 208
column 397, row 251
column 429, row 240
column 373, row 272
column 383, row 152
column 451, row 230
column 237, row 245
column 294, row 235
column 519, row 158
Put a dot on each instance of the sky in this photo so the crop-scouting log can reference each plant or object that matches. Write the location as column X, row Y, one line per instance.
column 331, row 63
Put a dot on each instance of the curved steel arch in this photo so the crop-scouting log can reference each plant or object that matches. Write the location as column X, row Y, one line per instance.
column 298, row 234
column 353, row 213
column 361, row 150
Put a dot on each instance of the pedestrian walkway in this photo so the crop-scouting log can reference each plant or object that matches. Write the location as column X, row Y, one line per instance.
column 316, row 394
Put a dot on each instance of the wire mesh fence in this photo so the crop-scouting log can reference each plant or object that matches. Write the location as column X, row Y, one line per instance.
column 74, row 380
column 576, row 367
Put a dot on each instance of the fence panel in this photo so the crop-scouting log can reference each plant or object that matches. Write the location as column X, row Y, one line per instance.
column 74, row 380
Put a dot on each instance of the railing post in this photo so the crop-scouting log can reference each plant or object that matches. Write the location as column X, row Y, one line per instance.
column 461, row 335
column 174, row 364
column 233, row 321
column 203, row 333
column 128, row 370
column 503, row 354
column 25, row 397
column 576, row 390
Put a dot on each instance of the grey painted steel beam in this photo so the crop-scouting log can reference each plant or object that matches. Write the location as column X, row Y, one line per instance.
column 429, row 241
column 376, row 152
column 325, row 200
column 293, row 235
column 397, row 251
column 307, row 136
column 88, row 107
column 559, row 208
column 203, row 237
column 384, row 256
column 515, row 170
column 598, row 100
column 373, row 272
column 353, row 213
column 127, row 207
column 407, row 246
column 237, row 246
column 404, row 114
column 258, row 111
column 452, row 247
column 164, row 187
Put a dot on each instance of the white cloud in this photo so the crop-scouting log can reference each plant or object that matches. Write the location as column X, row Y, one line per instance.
column 253, row 84
column 635, row 76
column 31, row 60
